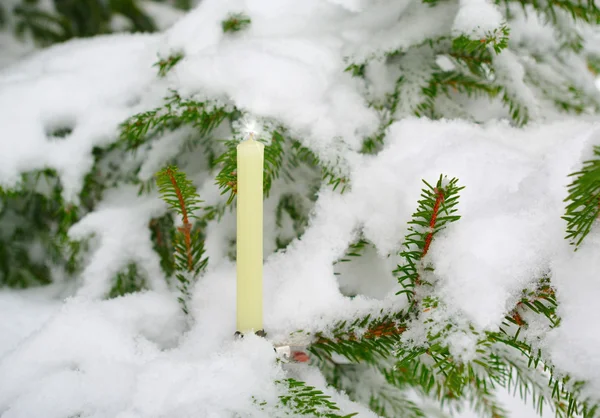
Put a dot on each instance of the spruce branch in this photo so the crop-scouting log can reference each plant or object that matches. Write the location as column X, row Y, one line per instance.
column 292, row 204
column 162, row 237
column 437, row 208
column 583, row 208
column 517, row 111
column 367, row 338
column 303, row 399
column 166, row 64
column 497, row 40
column 226, row 179
column 355, row 249
column 180, row 194
column 128, row 280
column 541, row 301
column 204, row 115
column 235, row 22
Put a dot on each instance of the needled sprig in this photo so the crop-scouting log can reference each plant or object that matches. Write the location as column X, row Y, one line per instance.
column 365, row 339
column 180, row 194
column 235, row 22
column 274, row 161
column 496, row 39
column 437, row 208
column 583, row 208
column 204, row 116
column 303, row 399
column 166, row 64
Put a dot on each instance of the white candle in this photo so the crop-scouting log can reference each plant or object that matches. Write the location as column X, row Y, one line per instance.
column 250, row 157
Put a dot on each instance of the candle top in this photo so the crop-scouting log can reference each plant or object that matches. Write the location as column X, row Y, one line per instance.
column 250, row 143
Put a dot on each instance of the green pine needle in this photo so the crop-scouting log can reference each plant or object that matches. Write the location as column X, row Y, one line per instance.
column 235, row 22
column 437, row 208
column 188, row 244
column 303, row 399
column 583, row 208
column 166, row 64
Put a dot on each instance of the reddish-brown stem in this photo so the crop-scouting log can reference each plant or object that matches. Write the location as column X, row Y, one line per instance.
column 436, row 208
column 186, row 230
column 382, row 330
column 154, row 224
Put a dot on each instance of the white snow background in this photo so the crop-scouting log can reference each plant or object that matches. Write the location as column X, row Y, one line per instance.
column 128, row 357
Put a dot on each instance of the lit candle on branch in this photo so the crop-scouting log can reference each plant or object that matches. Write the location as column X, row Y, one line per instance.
column 250, row 158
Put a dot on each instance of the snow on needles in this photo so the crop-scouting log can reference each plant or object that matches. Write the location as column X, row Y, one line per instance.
column 131, row 357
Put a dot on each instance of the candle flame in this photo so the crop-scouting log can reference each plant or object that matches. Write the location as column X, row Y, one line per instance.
column 249, row 128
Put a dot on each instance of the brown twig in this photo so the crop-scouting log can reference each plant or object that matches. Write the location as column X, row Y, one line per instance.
column 385, row 329
column 436, row 208
column 186, row 229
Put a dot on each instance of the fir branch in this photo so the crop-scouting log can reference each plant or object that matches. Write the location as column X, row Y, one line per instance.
column 367, row 338
column 436, row 210
column 205, row 116
column 166, row 64
column 586, row 12
column 226, row 179
column 292, row 204
column 303, row 399
column 180, row 194
column 355, row 249
column 540, row 301
column 583, row 208
column 235, row 22
column 517, row 111
column 497, row 40
column 469, row 85
column 128, row 280
column 565, row 396
column 162, row 235
column 299, row 154
column 273, row 161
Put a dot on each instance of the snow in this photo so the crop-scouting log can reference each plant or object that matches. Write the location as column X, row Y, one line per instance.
column 477, row 18
column 136, row 356
column 81, row 91
column 510, row 207
column 126, row 239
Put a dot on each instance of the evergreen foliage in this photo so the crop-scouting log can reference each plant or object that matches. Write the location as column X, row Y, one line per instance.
column 436, row 210
column 75, row 18
column 503, row 358
column 235, row 22
column 180, row 194
column 583, row 208
column 303, row 399
column 165, row 65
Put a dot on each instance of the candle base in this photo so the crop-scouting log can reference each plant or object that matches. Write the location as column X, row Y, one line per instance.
column 260, row 333
column 285, row 353
column 292, row 353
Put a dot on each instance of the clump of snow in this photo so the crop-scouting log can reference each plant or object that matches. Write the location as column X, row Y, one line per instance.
column 573, row 344
column 120, row 228
column 73, row 82
column 477, row 18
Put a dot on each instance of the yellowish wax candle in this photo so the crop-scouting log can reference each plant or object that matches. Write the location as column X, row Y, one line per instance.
column 250, row 157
